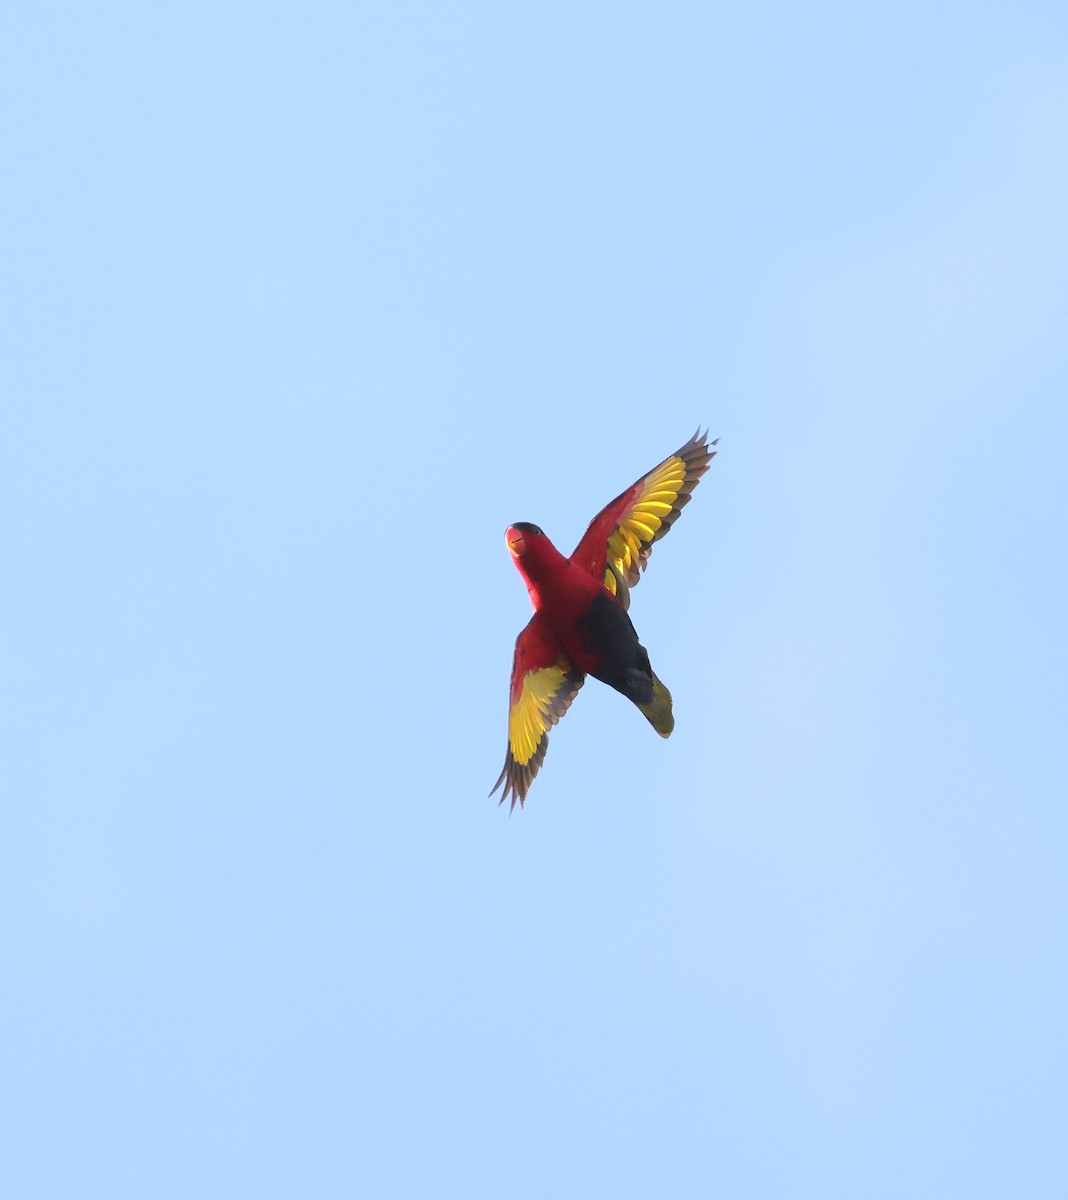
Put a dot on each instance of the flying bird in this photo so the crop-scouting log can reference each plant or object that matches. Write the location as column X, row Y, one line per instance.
column 581, row 624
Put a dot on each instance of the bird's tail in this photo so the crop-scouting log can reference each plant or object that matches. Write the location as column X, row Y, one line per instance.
column 658, row 710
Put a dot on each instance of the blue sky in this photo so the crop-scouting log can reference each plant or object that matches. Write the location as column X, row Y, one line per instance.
column 303, row 307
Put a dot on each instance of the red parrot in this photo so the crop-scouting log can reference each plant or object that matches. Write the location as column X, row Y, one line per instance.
column 580, row 625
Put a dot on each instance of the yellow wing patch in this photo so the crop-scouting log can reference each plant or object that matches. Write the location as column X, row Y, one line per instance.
column 630, row 542
column 659, row 497
column 544, row 696
column 537, row 709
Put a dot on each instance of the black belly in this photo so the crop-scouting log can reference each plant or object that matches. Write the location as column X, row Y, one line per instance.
column 623, row 663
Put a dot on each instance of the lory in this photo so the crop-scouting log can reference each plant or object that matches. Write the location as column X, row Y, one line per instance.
column 581, row 624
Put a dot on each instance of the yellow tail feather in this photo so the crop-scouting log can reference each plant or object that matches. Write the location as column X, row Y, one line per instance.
column 658, row 710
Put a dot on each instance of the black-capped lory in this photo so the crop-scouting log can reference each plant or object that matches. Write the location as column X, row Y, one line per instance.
column 581, row 624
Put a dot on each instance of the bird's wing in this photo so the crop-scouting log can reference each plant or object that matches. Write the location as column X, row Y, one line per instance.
column 544, row 682
column 620, row 538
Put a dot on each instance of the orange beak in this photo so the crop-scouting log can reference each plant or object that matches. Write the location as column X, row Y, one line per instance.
column 515, row 542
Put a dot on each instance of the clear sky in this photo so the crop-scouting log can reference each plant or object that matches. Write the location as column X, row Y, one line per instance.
column 303, row 305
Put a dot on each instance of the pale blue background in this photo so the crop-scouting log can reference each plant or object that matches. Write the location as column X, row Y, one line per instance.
column 302, row 306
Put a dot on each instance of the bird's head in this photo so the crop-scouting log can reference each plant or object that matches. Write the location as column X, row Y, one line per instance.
column 520, row 536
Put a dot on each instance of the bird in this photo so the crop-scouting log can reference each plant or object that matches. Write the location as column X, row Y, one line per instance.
column 581, row 624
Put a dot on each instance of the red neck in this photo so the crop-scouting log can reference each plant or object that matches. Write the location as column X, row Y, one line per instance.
column 548, row 574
